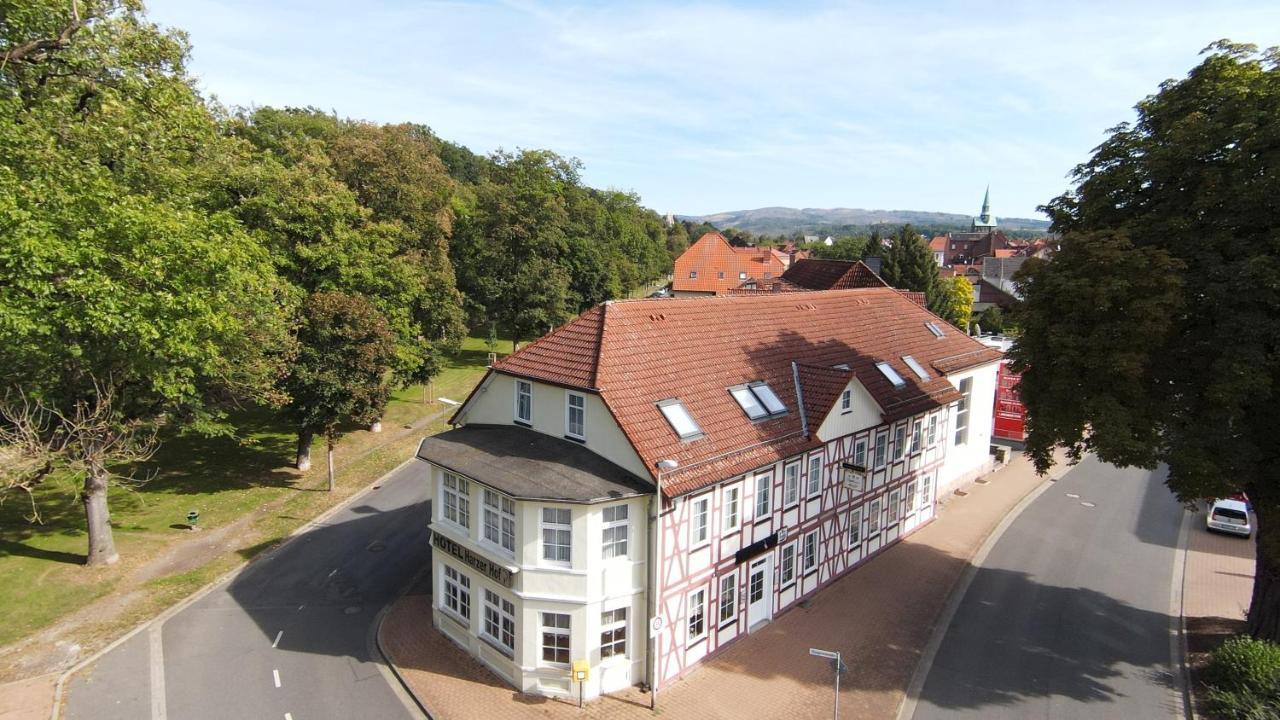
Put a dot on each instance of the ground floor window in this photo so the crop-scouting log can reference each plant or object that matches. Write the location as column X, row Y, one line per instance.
column 697, row 614
column 924, row 489
column 457, row 593
column 728, row 597
column 613, row 633
column 873, row 517
column 893, row 507
column 500, row 621
column 788, row 564
column 810, row 552
column 855, row 527
column 911, row 497
column 555, row 638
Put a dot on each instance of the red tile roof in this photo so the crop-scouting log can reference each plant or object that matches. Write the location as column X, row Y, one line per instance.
column 820, row 274
column 719, row 266
column 636, row 353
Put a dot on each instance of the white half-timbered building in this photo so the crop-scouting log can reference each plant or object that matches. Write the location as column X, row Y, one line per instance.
column 759, row 447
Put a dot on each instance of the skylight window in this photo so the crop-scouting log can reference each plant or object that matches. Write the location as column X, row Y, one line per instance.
column 681, row 421
column 916, row 367
column 757, row 400
column 841, row 366
column 771, row 402
column 747, row 400
column 933, row 328
column 892, row 375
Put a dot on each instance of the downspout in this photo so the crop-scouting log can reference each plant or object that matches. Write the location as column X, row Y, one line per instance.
column 655, row 506
column 804, row 416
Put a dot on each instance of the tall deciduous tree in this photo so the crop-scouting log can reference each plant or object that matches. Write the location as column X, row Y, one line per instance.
column 1152, row 336
column 342, row 375
column 124, row 304
column 953, row 301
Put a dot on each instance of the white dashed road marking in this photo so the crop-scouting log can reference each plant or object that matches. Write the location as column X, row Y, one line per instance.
column 276, row 674
column 278, row 636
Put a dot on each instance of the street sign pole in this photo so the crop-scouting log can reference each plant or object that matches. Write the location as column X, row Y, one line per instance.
column 838, row 666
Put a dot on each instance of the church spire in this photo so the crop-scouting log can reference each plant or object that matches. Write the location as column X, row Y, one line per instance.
column 985, row 221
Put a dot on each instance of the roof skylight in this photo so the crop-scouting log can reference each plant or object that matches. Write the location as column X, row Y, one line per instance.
column 916, row 367
column 747, row 400
column 673, row 410
column 770, row 400
column 757, row 400
column 892, row 375
column 933, row 328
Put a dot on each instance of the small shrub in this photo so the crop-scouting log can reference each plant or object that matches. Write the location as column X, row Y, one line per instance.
column 1243, row 678
column 1244, row 663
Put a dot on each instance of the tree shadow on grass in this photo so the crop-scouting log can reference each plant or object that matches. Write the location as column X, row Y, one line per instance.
column 9, row 547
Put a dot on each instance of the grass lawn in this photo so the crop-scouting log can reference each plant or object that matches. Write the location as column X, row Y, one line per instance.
column 42, row 579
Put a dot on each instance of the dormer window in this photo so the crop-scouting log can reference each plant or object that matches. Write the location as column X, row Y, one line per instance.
column 757, row 400
column 673, row 410
column 916, row 367
column 575, row 421
column 890, row 374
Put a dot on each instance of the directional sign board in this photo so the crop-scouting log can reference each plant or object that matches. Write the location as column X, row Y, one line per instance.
column 824, row 653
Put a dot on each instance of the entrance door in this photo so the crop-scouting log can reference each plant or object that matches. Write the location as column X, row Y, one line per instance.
column 759, row 593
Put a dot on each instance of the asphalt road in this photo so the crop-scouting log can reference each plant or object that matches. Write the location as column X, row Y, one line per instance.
column 1069, row 616
column 291, row 637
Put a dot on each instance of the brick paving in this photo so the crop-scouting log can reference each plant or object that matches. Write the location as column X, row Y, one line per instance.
column 879, row 616
column 1219, row 573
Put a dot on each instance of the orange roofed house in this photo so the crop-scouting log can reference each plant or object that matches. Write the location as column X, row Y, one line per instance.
column 698, row 466
column 712, row 266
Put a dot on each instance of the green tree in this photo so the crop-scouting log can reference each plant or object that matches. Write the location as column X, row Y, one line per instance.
column 125, row 305
column 953, row 301
column 1152, row 336
column 848, row 247
column 342, row 375
column 992, row 320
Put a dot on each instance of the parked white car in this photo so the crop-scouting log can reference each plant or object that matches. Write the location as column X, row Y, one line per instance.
column 1229, row 516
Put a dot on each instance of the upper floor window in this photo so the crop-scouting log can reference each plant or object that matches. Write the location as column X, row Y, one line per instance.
column 763, row 483
column 500, row 520
column 882, row 449
column 457, row 500
column 616, row 527
column 557, row 534
column 846, row 401
column 933, row 430
column 899, row 441
column 790, row 484
column 917, row 435
column 860, row 453
column 524, row 402
column 962, row 411
column 815, row 474
column 700, row 521
column 732, row 498
column 575, row 421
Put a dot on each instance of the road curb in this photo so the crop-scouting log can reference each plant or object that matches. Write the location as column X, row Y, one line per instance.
column 912, row 697
column 387, row 664
column 1178, row 619
column 163, row 617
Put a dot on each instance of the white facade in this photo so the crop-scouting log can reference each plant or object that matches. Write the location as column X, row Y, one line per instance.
column 969, row 442
column 551, row 569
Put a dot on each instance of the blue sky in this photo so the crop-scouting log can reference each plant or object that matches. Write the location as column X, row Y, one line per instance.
column 706, row 107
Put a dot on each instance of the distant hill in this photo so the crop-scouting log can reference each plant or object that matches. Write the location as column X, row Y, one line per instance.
column 785, row 220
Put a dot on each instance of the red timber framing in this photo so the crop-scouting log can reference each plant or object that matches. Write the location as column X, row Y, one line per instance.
column 692, row 573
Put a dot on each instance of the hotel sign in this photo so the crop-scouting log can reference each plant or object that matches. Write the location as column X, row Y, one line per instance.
column 496, row 572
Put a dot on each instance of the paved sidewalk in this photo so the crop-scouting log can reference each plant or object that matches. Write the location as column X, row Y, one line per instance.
column 879, row 616
column 30, row 699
